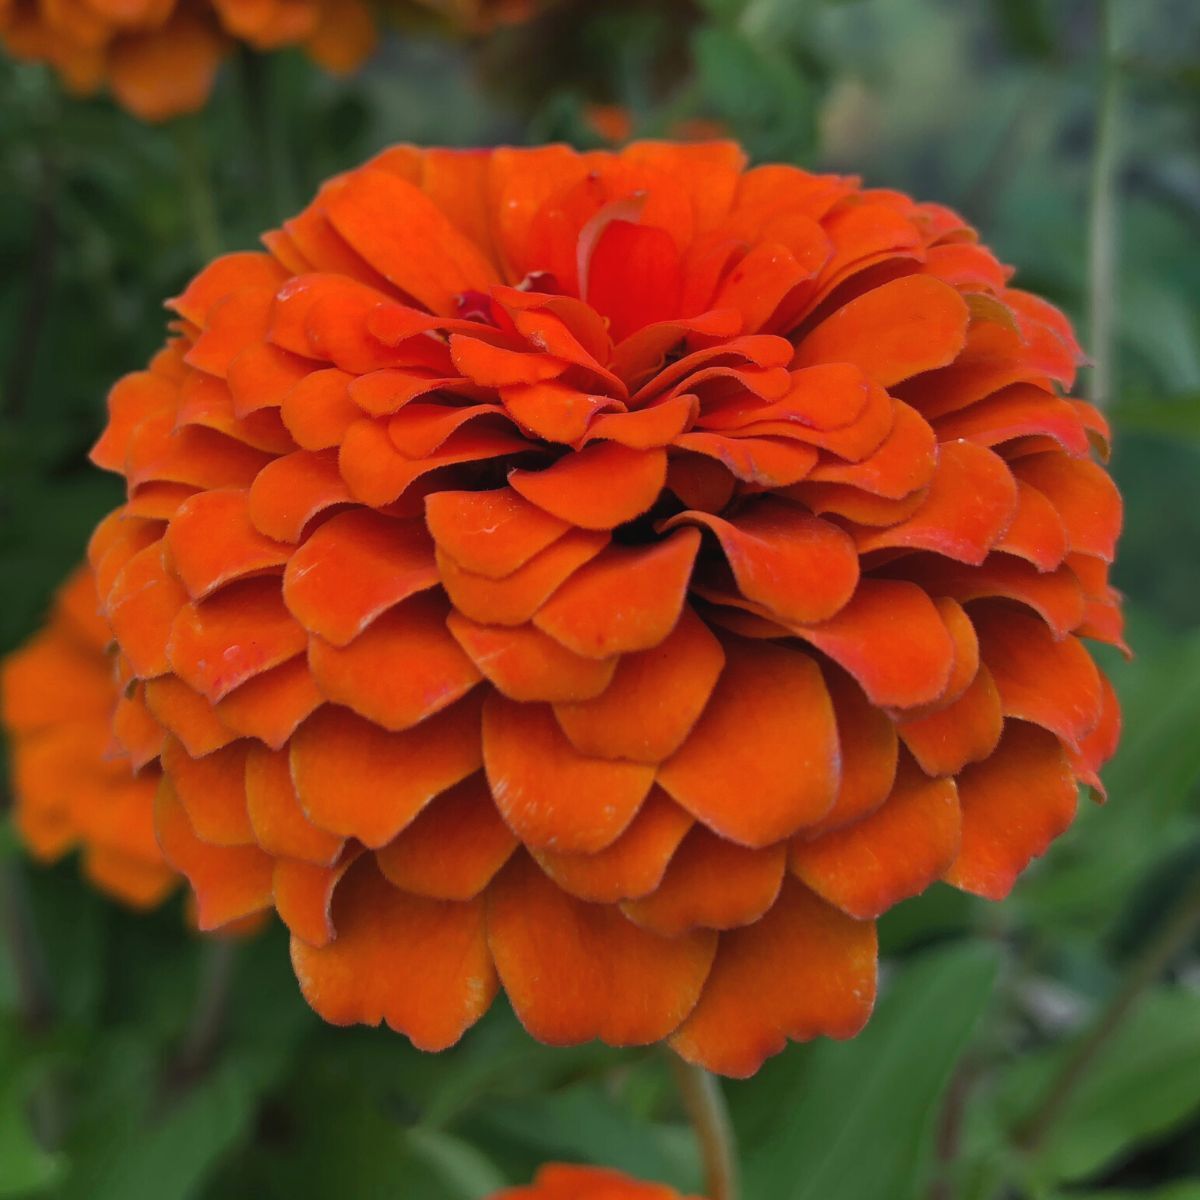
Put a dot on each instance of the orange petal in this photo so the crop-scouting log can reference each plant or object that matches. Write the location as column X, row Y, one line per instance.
column 187, row 714
column 271, row 705
column 797, row 566
column 454, row 847
column 599, row 487
column 711, row 884
column 319, row 410
column 287, row 493
column 892, row 332
column 234, row 635
column 1087, row 500
column 1013, row 806
column 966, row 731
column 230, row 882
column 551, row 795
column 420, row 965
column 279, row 824
column 1052, row 683
column 805, row 970
column 895, row 852
column 490, row 533
column 576, row 971
column 654, row 699
column 212, row 791
column 762, row 761
column 357, row 780
column 526, row 664
column 142, row 607
column 303, row 895
column 904, row 461
column 627, row 599
column 422, row 253
column 971, row 503
column 356, row 566
column 400, row 670
column 869, row 750
column 1036, row 532
column 212, row 541
column 1101, row 744
column 763, row 461
column 514, row 599
column 891, row 638
column 633, row 865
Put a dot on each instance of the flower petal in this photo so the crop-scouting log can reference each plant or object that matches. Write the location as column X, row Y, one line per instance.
column 762, row 761
column 356, row 566
column 654, row 699
column 212, row 791
column 711, row 884
column 453, row 848
column 627, row 599
column 1013, row 806
column 576, row 971
column 551, row 795
column 894, row 853
column 633, row 865
column 279, row 824
column 400, row 670
column 357, row 780
column 805, row 970
column 420, row 965
column 965, row 731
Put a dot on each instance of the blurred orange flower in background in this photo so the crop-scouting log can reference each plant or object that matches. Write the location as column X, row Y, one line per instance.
column 562, row 1182
column 614, row 577
column 73, row 784
column 160, row 57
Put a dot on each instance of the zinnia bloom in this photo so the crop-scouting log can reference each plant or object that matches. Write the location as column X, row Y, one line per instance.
column 614, row 577
column 73, row 781
column 159, row 57
column 561, row 1182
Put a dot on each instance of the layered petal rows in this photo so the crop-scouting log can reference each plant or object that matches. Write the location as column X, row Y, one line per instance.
column 616, row 578
column 159, row 57
column 74, row 748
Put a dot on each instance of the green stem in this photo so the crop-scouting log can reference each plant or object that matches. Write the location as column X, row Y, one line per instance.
column 705, row 1105
column 196, row 179
column 34, row 998
column 1178, row 932
column 1102, row 225
column 203, row 1035
column 265, row 121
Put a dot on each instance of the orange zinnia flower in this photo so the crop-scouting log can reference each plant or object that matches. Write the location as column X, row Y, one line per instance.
column 562, row 1182
column 73, row 779
column 159, row 57
column 616, row 577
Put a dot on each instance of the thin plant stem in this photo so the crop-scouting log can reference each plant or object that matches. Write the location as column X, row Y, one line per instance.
column 196, row 178
column 1103, row 242
column 704, row 1103
column 34, row 996
column 1182, row 926
column 218, row 959
column 264, row 119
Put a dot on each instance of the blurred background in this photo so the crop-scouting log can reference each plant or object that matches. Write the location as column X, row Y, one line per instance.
column 1048, row 1047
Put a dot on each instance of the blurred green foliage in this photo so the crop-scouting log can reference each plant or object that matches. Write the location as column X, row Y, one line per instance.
column 986, row 106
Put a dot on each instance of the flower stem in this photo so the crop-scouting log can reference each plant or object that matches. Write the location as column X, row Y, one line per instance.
column 200, row 1041
column 34, row 999
column 264, row 119
column 705, row 1105
column 1179, row 930
column 196, row 179
column 1102, row 224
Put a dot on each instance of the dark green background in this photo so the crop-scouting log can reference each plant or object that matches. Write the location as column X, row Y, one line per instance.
column 989, row 107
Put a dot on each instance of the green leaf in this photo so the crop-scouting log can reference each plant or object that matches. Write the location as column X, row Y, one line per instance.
column 466, row 1172
column 1188, row 1190
column 26, row 1168
column 171, row 1159
column 1144, row 1081
column 857, row 1118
